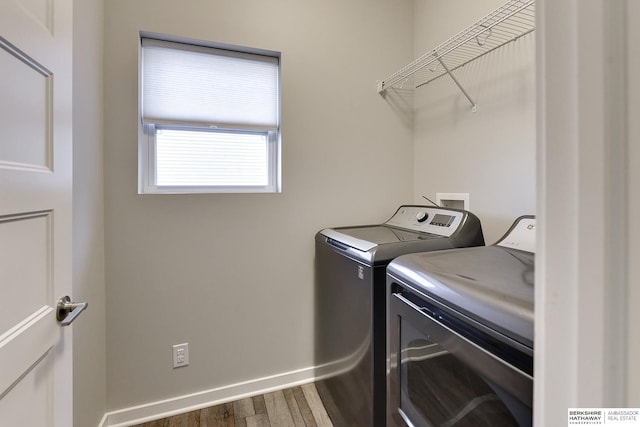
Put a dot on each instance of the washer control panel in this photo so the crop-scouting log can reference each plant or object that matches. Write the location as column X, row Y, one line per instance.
column 427, row 219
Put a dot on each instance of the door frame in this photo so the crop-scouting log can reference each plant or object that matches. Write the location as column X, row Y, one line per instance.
column 584, row 196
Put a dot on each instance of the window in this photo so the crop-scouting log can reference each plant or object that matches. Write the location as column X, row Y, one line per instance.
column 210, row 118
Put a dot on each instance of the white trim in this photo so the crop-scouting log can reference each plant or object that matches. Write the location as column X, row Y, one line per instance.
column 633, row 190
column 191, row 402
column 582, row 219
column 103, row 421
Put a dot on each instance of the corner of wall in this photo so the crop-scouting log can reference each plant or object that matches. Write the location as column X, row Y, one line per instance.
column 89, row 370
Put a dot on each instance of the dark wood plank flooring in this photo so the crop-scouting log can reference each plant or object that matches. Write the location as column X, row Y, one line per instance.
column 299, row 406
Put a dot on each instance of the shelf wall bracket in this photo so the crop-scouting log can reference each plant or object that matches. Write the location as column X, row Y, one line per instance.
column 473, row 104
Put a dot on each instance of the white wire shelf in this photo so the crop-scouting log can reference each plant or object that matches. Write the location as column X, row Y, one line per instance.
column 504, row 25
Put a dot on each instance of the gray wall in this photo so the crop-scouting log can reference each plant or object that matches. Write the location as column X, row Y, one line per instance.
column 177, row 256
column 233, row 274
column 89, row 381
column 489, row 154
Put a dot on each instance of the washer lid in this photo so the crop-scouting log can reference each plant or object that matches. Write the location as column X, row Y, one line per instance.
column 379, row 244
column 366, row 238
column 492, row 285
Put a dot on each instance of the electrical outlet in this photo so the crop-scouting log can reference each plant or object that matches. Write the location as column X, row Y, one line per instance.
column 180, row 355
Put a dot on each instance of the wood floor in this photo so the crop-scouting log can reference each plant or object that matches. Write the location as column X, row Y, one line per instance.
column 296, row 407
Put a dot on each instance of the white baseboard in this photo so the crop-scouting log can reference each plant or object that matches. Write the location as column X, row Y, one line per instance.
column 191, row 402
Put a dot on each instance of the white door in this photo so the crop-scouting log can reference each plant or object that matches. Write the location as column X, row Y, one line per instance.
column 35, row 211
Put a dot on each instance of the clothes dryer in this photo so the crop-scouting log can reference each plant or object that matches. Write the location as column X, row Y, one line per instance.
column 460, row 334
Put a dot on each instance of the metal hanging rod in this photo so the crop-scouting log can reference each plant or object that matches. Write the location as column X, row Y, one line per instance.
column 506, row 24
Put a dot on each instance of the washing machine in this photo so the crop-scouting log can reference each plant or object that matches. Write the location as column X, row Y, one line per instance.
column 350, row 315
column 460, row 334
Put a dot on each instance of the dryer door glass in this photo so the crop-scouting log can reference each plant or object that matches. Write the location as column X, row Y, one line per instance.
column 439, row 390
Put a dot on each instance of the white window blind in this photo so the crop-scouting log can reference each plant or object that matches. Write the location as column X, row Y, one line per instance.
column 190, row 84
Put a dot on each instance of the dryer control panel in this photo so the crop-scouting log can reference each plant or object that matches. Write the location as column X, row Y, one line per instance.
column 428, row 219
column 521, row 235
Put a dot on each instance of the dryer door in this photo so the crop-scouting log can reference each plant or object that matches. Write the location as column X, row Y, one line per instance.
column 439, row 378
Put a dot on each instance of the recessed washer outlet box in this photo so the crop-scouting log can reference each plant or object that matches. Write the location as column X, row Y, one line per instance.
column 453, row 200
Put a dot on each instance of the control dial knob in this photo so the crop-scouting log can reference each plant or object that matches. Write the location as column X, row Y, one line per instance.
column 422, row 216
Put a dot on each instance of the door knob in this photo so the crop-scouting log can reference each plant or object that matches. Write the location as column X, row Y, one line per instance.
column 67, row 311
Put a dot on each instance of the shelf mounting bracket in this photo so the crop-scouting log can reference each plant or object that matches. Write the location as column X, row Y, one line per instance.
column 473, row 104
